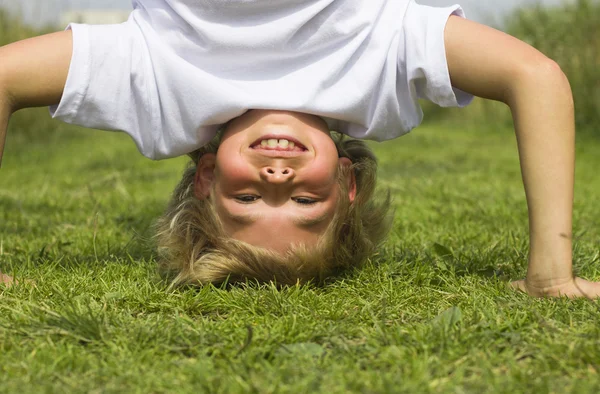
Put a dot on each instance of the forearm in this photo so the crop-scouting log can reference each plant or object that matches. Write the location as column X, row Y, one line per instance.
column 542, row 108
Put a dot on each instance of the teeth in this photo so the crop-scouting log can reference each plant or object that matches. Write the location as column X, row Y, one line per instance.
column 275, row 143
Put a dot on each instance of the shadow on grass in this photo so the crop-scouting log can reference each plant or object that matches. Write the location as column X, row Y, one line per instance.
column 36, row 236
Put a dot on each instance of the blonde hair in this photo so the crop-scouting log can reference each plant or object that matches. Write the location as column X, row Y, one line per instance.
column 194, row 249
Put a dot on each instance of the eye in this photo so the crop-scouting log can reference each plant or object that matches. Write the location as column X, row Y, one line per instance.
column 247, row 198
column 304, row 200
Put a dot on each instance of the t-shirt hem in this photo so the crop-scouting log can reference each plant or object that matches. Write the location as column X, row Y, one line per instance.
column 448, row 96
column 77, row 79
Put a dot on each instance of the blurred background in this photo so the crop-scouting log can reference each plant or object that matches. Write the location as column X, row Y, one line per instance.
column 566, row 30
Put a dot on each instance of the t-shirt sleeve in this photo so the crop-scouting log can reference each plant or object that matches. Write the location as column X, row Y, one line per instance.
column 424, row 58
column 109, row 85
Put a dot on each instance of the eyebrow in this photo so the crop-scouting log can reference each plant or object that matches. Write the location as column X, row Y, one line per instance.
column 243, row 219
column 309, row 222
column 302, row 221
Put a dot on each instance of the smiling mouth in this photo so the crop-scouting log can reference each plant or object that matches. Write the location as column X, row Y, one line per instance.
column 278, row 144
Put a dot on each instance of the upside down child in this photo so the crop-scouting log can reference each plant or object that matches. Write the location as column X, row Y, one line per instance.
column 251, row 91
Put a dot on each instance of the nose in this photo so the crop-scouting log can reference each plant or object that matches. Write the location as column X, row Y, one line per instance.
column 277, row 175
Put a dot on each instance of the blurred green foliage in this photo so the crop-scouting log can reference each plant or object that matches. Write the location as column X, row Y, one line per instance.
column 12, row 29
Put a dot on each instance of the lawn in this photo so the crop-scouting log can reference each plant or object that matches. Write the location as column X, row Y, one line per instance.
column 430, row 313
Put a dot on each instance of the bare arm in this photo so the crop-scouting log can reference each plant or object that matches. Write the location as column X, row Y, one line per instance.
column 494, row 65
column 33, row 73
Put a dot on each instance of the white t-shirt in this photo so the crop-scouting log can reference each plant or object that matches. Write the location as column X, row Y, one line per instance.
column 179, row 69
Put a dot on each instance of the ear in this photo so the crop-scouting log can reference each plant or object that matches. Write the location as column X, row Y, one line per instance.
column 204, row 177
column 350, row 177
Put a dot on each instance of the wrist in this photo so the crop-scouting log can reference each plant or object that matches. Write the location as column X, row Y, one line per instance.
column 547, row 285
column 550, row 260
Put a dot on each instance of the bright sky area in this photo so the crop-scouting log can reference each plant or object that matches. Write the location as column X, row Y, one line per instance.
column 48, row 11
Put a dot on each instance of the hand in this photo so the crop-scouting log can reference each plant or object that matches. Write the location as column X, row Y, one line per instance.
column 574, row 288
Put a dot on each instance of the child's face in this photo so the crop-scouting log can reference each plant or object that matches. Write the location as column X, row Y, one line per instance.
column 276, row 193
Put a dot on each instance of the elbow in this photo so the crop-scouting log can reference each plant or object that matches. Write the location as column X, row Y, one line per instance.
column 542, row 76
column 548, row 73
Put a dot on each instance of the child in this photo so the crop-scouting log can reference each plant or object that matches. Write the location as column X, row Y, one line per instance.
column 279, row 75
column 302, row 212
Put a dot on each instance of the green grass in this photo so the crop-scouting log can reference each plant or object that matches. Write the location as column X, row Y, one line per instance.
column 431, row 313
